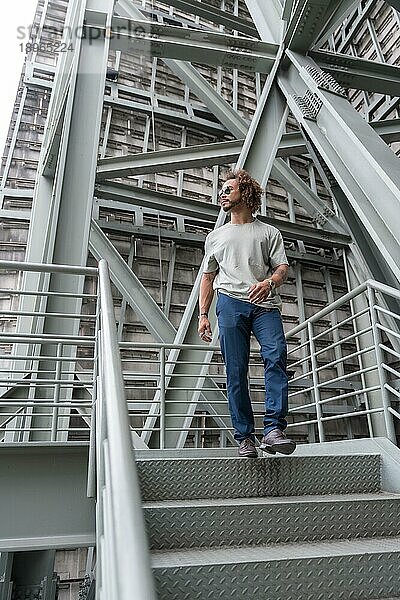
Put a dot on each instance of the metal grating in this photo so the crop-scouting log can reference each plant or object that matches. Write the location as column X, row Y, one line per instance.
column 178, row 525
column 338, row 571
column 233, row 478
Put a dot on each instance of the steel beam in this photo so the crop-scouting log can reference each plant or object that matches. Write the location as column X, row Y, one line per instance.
column 169, row 160
column 307, row 18
column 265, row 131
column 197, row 83
column 61, row 212
column 172, row 116
column 167, row 203
column 215, row 15
column 270, row 106
column 197, row 240
column 206, row 212
column 143, row 304
column 309, row 200
column 395, row 4
column 312, row 19
column 359, row 160
column 378, row 270
column 335, row 16
column 130, row 287
column 64, row 76
column 195, row 45
column 358, row 73
column 267, row 18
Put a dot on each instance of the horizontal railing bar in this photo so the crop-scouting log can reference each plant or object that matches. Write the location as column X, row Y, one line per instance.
column 47, row 268
column 18, row 429
column 301, row 407
column 41, row 358
column 328, row 309
column 42, row 371
column 302, row 376
column 17, row 313
column 14, row 416
column 390, row 370
column 390, row 350
column 46, row 339
column 338, row 325
column 196, row 415
column 34, row 403
column 350, row 394
column 341, row 301
column 394, row 412
column 387, row 330
column 23, row 415
column 347, row 357
column 299, row 362
column 302, row 423
column 302, row 391
column 386, row 311
column 342, row 341
column 391, row 389
column 298, row 347
column 347, row 375
column 16, row 292
column 385, row 289
column 353, row 414
column 46, row 382
column 158, row 345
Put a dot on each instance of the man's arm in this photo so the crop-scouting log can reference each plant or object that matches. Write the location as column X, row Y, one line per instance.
column 205, row 299
column 260, row 291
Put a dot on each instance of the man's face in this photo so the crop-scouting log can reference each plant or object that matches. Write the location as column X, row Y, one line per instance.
column 229, row 195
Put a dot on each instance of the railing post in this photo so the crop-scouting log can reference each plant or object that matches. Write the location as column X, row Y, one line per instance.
column 379, row 361
column 91, row 482
column 57, row 387
column 162, row 398
column 317, row 396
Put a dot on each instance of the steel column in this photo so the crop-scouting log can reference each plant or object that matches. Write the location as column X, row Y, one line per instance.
column 347, row 144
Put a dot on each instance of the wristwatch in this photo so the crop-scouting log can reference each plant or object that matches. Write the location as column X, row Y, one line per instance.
column 271, row 283
column 203, row 315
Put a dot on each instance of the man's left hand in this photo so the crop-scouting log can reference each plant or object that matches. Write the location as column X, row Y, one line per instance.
column 259, row 292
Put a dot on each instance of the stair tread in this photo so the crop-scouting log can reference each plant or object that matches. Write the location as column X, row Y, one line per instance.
column 267, row 500
column 274, row 552
column 234, row 457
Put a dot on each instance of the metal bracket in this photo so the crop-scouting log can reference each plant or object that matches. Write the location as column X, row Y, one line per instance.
column 309, row 104
column 325, row 81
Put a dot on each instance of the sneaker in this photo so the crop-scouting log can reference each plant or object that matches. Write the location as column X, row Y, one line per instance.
column 276, row 441
column 247, row 449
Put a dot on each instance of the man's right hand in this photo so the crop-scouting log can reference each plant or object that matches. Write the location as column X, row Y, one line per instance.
column 205, row 329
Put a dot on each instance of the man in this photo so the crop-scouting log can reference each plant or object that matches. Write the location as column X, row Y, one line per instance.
column 245, row 262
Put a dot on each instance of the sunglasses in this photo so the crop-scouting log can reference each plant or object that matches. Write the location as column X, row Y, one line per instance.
column 226, row 190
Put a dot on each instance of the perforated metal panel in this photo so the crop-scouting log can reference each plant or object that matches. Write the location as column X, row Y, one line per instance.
column 265, row 521
column 233, row 478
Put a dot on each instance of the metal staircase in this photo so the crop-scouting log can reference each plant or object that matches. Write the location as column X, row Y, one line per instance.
column 320, row 524
column 313, row 526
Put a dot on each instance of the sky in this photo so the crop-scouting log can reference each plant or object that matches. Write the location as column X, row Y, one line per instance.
column 18, row 13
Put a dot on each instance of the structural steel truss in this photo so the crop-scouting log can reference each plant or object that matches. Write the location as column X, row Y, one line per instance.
column 303, row 74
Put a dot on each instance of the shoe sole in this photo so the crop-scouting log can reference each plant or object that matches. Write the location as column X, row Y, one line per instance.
column 286, row 448
column 248, row 455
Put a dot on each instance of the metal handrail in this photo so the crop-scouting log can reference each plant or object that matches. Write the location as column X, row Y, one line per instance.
column 317, row 381
column 122, row 549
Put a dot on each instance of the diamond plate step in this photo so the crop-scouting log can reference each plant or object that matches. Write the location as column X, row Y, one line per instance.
column 180, row 478
column 232, row 522
column 340, row 570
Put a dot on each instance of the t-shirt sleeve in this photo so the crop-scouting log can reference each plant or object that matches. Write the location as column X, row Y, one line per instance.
column 210, row 262
column 277, row 254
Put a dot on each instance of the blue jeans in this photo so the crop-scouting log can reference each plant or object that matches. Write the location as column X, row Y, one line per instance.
column 237, row 319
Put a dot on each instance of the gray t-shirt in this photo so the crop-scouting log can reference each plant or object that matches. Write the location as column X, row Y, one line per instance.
column 243, row 255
